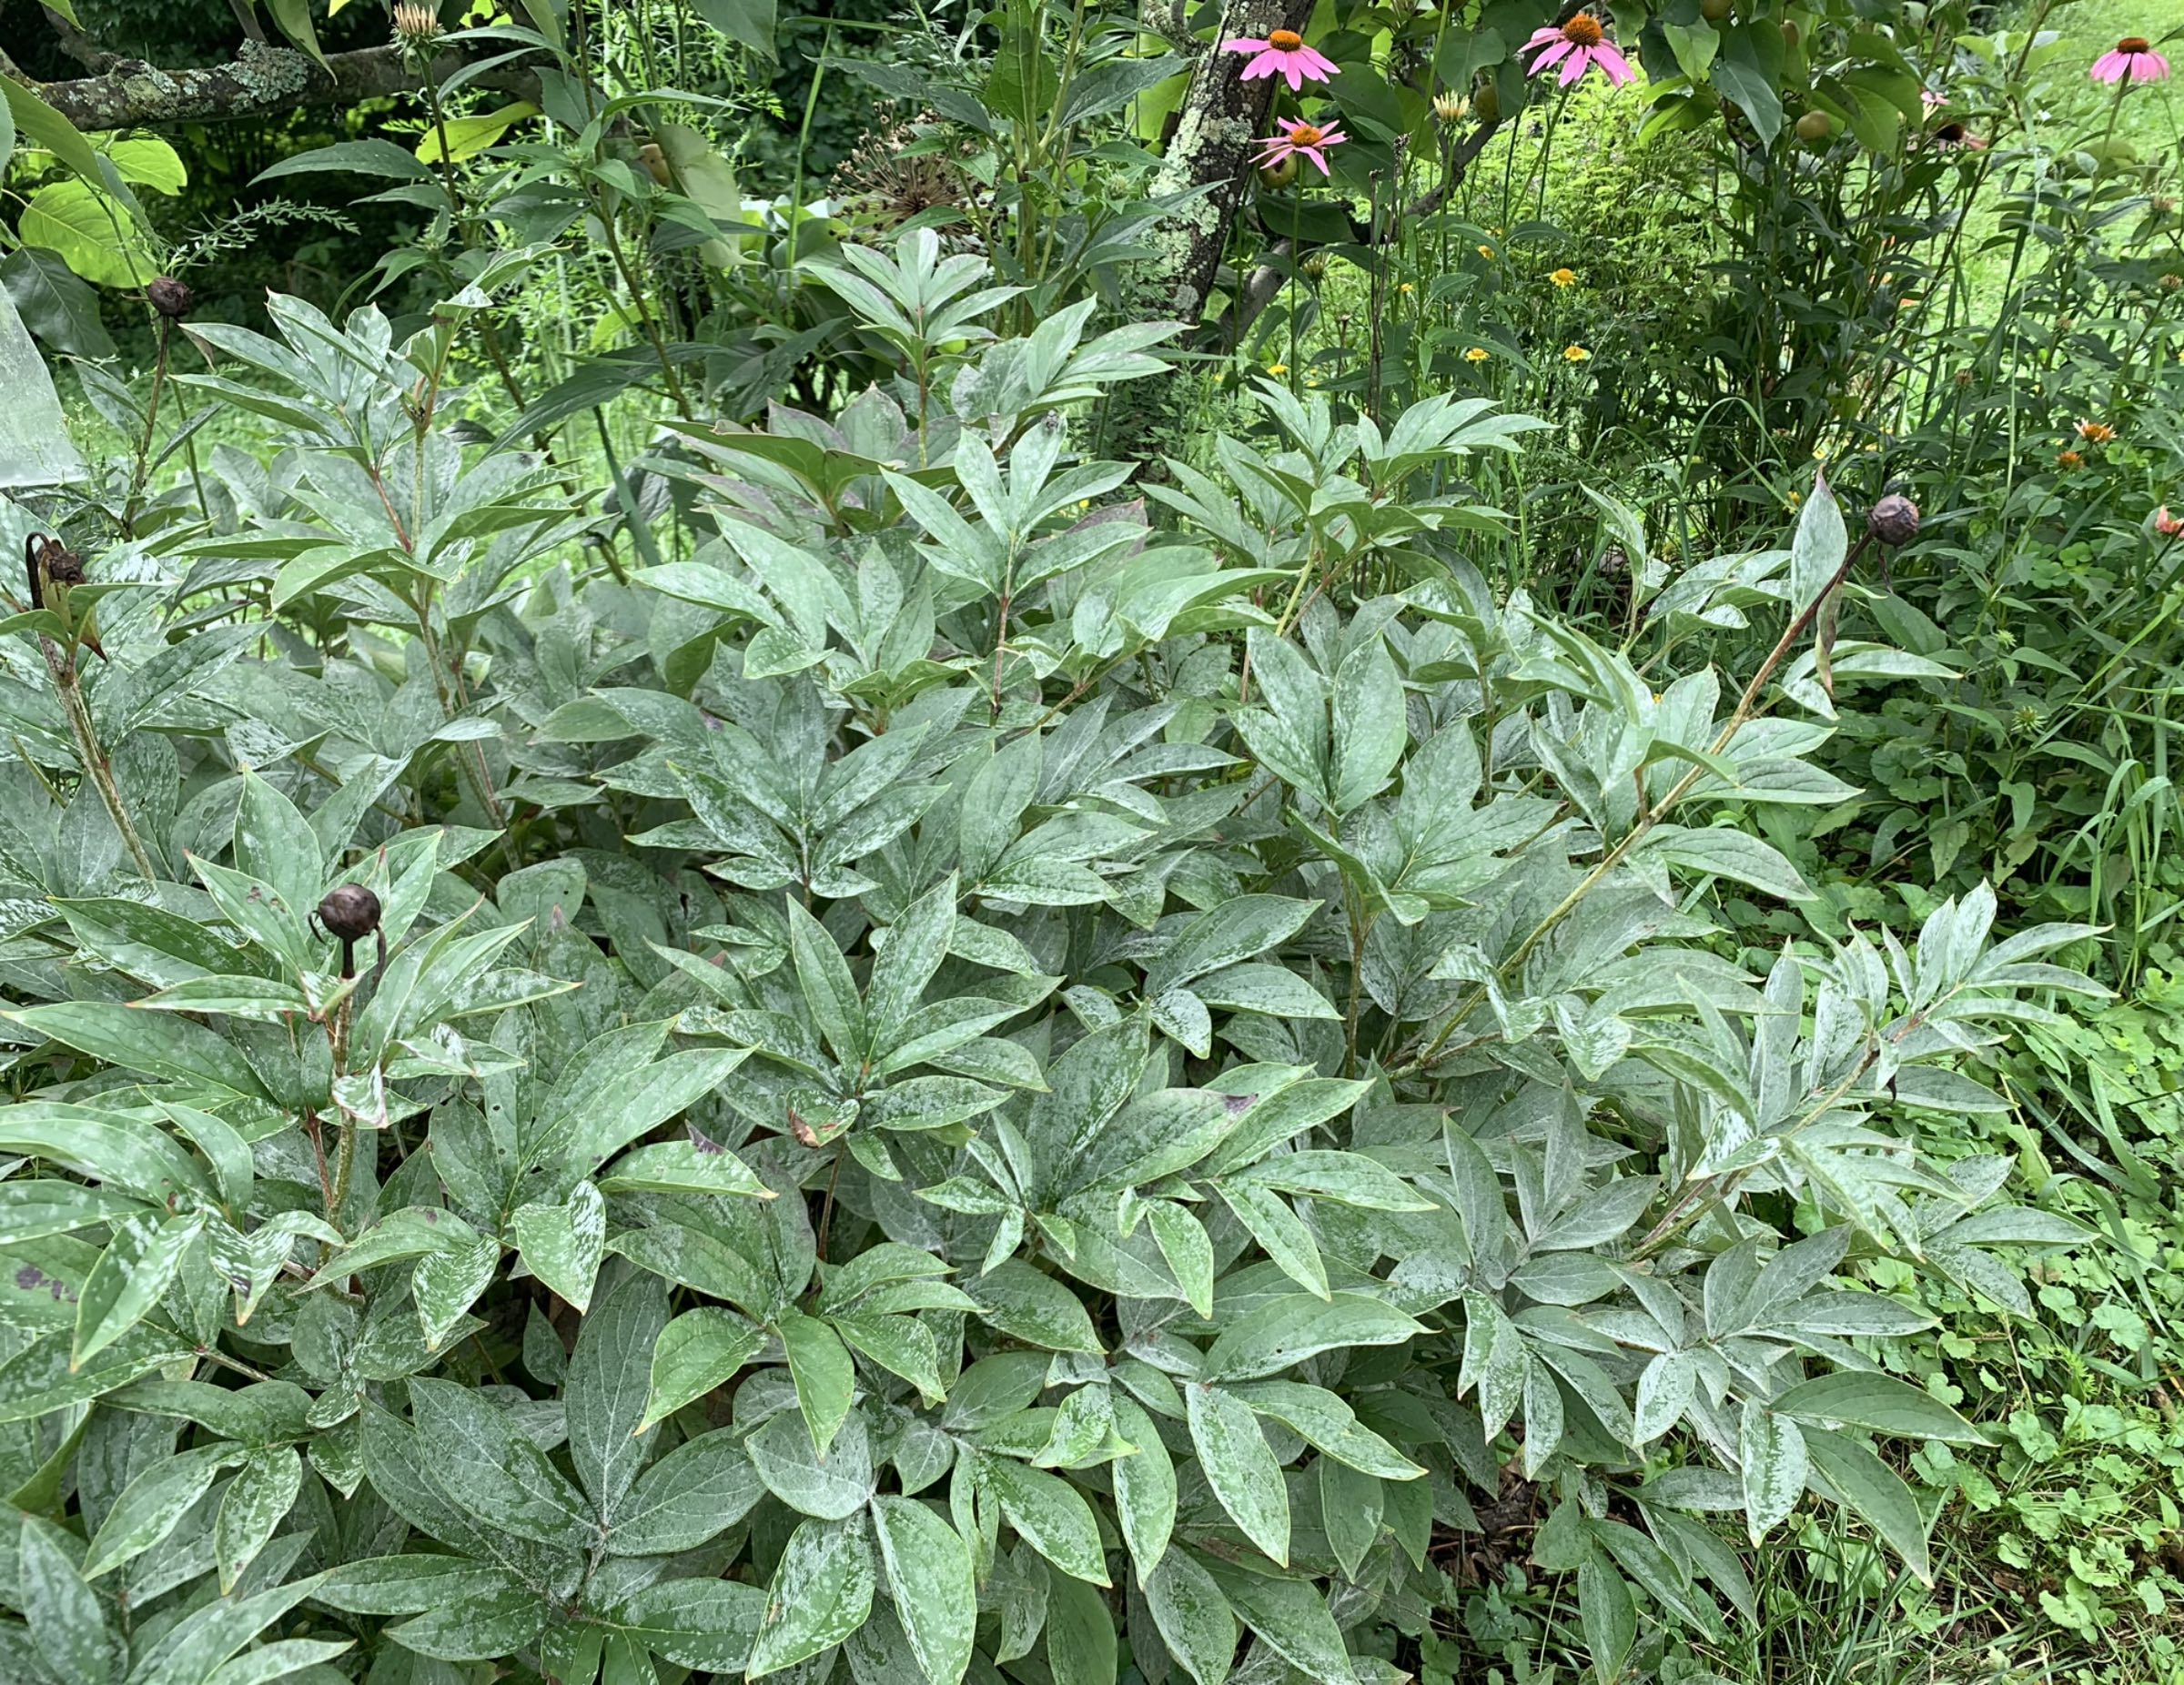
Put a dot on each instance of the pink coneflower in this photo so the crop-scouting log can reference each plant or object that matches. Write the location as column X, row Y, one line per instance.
column 1300, row 140
column 1283, row 54
column 1577, row 46
column 2134, row 60
column 2168, row 525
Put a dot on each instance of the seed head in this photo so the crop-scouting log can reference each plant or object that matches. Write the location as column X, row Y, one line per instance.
column 350, row 912
column 172, row 298
column 1893, row 520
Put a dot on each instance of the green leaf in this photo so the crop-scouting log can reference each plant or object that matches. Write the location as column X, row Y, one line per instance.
column 1280, row 1231
column 130, row 1277
column 830, row 1488
column 1847, row 1472
column 1049, row 1514
column 1240, row 1467
column 1145, row 1488
column 41, row 126
column 1775, row 1467
column 830, row 992
column 1371, row 728
column 825, row 1378
column 821, row 1593
column 748, row 23
column 1608, row 1615
column 446, row 1283
column 157, row 1043
column 152, row 1503
column 929, row 1577
column 1028, row 1305
column 698, row 1351
column 54, row 302
column 474, row 1453
column 364, row 157
column 1285, row 1331
column 67, row 1623
column 263, row 1491
column 1080, row 1635
column 564, row 1245
column 701, row 1486
column 610, row 1379
column 1240, row 928
column 1194, row 1618
column 1292, row 1617
column 276, row 845
column 294, row 16
column 1880, row 1402
column 694, row 1623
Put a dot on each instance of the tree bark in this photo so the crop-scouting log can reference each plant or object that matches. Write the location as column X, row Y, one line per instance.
column 1221, row 118
column 258, row 80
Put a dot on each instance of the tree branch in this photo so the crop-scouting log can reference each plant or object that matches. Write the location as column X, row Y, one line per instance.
column 259, row 79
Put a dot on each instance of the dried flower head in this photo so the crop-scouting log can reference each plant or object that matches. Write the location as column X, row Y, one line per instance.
column 1451, row 107
column 172, row 298
column 1893, row 520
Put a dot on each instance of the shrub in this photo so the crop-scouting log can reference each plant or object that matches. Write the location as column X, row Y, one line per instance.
column 946, row 1080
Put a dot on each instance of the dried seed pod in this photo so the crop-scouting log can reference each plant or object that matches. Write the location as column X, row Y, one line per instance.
column 1893, row 520
column 350, row 912
column 172, row 298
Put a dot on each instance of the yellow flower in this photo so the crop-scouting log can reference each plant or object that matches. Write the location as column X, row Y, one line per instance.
column 1278, row 370
column 1795, row 499
column 1575, row 353
column 1487, row 252
column 1476, row 354
column 1564, row 277
column 1406, row 288
column 1819, row 453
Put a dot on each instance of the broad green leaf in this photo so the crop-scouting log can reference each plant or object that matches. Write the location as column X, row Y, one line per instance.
column 1776, row 1467
column 563, row 1244
column 1145, row 1488
column 696, row 1352
column 151, row 1504
column 610, row 1379
column 1880, row 1402
column 1080, row 1634
column 929, row 1572
column 1844, row 1471
column 1286, row 1330
column 130, row 1277
column 1194, row 1618
column 821, row 1593
column 1050, row 1515
column 831, row 1489
column 701, row 1486
column 474, row 1453
column 825, row 1378
column 263, row 1491
column 1028, row 1305
column 1240, row 1467
column 67, row 1624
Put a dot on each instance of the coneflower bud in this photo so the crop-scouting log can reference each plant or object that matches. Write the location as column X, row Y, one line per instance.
column 1314, row 265
column 350, row 912
column 416, row 25
column 1451, row 107
column 172, row 298
column 1893, row 520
